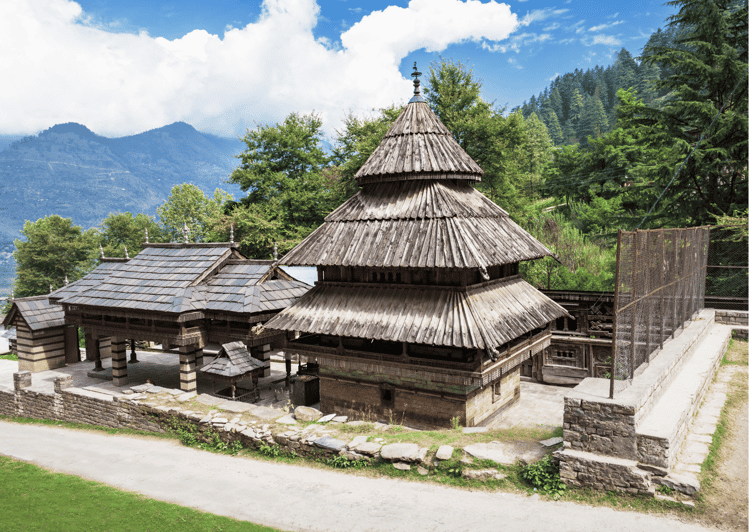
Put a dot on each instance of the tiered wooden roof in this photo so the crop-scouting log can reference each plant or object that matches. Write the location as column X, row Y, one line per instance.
column 417, row 224
column 37, row 312
column 479, row 316
column 417, row 209
column 418, row 146
column 181, row 278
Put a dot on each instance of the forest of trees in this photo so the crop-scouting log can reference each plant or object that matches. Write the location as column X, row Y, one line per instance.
column 654, row 141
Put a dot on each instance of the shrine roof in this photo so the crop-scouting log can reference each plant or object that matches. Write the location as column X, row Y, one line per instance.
column 36, row 311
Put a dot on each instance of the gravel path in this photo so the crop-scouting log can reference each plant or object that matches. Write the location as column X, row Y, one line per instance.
column 297, row 498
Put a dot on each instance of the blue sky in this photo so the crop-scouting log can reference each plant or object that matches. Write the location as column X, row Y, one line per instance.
column 121, row 67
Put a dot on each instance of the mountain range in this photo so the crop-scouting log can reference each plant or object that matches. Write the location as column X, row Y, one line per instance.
column 71, row 171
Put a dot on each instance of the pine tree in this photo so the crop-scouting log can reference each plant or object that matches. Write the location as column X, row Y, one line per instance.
column 554, row 128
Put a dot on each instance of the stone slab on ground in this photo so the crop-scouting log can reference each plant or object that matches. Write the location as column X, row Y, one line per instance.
column 369, row 448
column 326, row 442
column 305, row 413
column 551, row 442
column 445, row 452
column 263, row 412
column 209, row 400
column 482, row 474
column 326, row 418
column 400, row 452
column 474, row 430
column 288, row 419
column 682, row 483
column 236, row 406
column 141, row 387
column 358, row 440
column 340, row 419
column 175, row 392
column 506, row 453
column 402, row 466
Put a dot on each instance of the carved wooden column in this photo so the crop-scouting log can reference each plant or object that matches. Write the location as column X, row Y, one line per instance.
column 188, row 375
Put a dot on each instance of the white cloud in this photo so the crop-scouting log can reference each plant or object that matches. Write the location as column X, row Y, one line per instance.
column 555, row 76
column 538, row 15
column 56, row 68
column 614, row 15
column 552, row 27
column 608, row 40
column 517, row 41
column 605, row 26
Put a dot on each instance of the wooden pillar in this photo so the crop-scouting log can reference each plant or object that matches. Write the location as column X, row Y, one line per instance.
column 92, row 350
column 119, row 361
column 188, row 375
column 133, row 355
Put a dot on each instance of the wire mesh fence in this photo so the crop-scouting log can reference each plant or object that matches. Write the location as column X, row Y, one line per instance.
column 727, row 272
column 660, row 284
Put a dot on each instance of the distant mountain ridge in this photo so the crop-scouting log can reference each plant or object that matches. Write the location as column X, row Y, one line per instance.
column 71, row 171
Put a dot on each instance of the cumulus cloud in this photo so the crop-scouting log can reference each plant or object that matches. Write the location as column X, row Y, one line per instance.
column 58, row 68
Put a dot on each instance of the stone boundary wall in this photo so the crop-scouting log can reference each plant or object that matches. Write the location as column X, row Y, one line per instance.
column 602, row 447
column 74, row 405
column 732, row 317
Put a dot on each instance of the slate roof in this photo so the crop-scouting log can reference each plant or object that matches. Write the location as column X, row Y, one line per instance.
column 37, row 312
column 175, row 278
column 233, row 360
column 479, row 316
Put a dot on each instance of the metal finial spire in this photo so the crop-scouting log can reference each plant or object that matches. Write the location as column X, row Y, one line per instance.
column 186, row 232
column 66, row 280
column 231, row 234
column 126, row 255
column 146, row 229
column 50, row 288
column 275, row 250
column 101, row 251
column 12, row 295
column 417, row 86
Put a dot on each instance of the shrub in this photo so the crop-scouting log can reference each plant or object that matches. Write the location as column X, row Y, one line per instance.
column 544, row 476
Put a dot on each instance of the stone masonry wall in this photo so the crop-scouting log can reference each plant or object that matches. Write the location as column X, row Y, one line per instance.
column 732, row 317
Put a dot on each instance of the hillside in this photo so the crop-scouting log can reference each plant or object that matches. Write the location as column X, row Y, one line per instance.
column 71, row 171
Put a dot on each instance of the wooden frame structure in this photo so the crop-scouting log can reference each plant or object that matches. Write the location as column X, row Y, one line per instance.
column 182, row 296
column 418, row 314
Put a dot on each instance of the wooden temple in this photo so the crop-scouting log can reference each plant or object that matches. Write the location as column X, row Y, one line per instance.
column 183, row 296
column 419, row 314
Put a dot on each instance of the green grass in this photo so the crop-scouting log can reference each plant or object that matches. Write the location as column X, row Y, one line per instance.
column 36, row 499
column 9, row 356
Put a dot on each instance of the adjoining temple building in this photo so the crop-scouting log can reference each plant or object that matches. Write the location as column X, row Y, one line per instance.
column 183, row 296
column 419, row 314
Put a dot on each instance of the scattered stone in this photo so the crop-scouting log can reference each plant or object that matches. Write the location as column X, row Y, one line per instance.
column 264, row 412
column 127, row 392
column 228, row 427
column 206, row 419
column 662, row 497
column 474, row 430
column 220, row 420
column 175, row 392
column 288, row 419
column 306, row 413
column 402, row 466
column 326, row 418
column 358, row 440
column 379, row 439
column 327, row 442
column 340, row 419
column 445, row 452
column 381, row 426
column 421, row 456
column 161, row 408
column 680, row 483
column 186, row 397
column 235, row 407
column 369, row 448
column 482, row 474
column 209, row 400
column 155, row 389
column 400, row 452
column 249, row 433
column 421, row 471
column 551, row 442
column 356, row 423
column 506, row 453
column 141, row 387
column 688, row 503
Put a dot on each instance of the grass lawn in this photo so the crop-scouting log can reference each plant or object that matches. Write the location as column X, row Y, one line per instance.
column 32, row 498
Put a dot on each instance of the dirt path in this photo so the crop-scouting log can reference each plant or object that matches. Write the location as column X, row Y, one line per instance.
column 299, row 498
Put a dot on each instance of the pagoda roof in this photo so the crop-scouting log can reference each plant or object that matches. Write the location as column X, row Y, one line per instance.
column 233, row 360
column 481, row 316
column 417, row 224
column 418, row 146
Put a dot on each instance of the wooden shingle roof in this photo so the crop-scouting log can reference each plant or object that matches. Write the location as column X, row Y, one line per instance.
column 418, row 146
column 233, row 360
column 480, row 316
column 37, row 312
column 417, row 224
column 184, row 278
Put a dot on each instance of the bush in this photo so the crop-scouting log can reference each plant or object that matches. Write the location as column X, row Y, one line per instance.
column 544, row 476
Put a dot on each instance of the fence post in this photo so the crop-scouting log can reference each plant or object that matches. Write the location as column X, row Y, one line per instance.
column 633, row 347
column 661, row 283
column 616, row 313
column 648, row 302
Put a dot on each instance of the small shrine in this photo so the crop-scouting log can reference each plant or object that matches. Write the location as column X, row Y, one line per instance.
column 232, row 365
column 419, row 314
